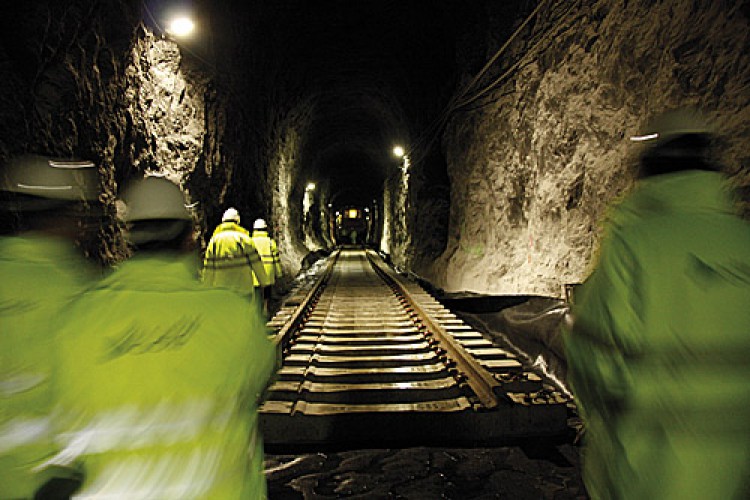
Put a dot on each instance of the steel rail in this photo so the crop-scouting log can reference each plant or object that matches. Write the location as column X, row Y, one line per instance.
column 482, row 382
column 297, row 318
column 370, row 358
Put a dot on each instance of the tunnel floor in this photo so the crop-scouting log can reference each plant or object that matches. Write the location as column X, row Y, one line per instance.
column 531, row 470
column 525, row 468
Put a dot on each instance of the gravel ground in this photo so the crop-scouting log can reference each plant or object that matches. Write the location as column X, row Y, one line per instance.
column 527, row 471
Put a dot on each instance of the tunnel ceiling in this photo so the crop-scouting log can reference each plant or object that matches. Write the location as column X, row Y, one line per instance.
column 367, row 75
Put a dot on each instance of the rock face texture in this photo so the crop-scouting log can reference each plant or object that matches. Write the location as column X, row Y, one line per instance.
column 507, row 199
column 86, row 79
column 166, row 101
column 539, row 148
column 63, row 66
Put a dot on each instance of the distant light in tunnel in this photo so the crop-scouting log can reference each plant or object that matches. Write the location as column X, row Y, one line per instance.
column 398, row 151
column 180, row 26
column 310, row 187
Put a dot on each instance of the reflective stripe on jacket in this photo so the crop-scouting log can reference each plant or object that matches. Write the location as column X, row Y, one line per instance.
column 160, row 379
column 269, row 254
column 232, row 261
column 659, row 355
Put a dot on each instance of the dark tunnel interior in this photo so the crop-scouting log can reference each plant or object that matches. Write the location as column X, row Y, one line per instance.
column 365, row 76
column 513, row 116
column 478, row 146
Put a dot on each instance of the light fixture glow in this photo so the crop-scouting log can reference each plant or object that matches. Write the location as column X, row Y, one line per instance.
column 181, row 26
column 398, row 151
column 310, row 187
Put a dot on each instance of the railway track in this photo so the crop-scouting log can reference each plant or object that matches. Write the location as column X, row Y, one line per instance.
column 370, row 358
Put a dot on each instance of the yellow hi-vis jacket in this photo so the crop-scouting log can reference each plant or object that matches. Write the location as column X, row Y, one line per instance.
column 40, row 276
column 232, row 261
column 160, row 379
column 659, row 353
column 269, row 254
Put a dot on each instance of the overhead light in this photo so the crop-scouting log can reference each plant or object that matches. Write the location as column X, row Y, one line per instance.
column 310, row 187
column 180, row 26
column 398, row 151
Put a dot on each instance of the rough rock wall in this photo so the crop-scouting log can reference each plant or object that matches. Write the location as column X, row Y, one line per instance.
column 86, row 79
column 395, row 239
column 63, row 69
column 428, row 222
column 414, row 218
column 287, row 204
column 535, row 161
column 166, row 101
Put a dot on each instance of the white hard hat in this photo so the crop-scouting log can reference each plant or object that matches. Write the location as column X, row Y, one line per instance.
column 154, row 198
column 260, row 224
column 231, row 215
column 48, row 182
column 154, row 210
column 673, row 124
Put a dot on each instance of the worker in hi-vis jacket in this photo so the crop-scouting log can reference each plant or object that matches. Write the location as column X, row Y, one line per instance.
column 231, row 259
column 269, row 255
column 160, row 376
column 658, row 352
column 44, row 203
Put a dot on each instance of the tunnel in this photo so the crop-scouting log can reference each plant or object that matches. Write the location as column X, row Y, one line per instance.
column 513, row 116
column 480, row 141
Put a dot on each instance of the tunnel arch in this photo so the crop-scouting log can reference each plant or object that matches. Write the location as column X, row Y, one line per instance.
column 280, row 91
column 345, row 76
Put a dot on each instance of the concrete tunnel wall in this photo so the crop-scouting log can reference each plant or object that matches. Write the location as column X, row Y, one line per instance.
column 533, row 162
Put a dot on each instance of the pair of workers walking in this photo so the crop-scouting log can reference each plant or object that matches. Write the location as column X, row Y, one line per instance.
column 141, row 384
column 249, row 264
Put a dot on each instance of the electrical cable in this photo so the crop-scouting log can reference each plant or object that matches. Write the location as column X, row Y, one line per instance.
column 433, row 130
column 429, row 136
column 507, row 72
column 499, row 51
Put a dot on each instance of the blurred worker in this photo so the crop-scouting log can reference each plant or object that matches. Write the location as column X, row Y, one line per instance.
column 269, row 255
column 231, row 259
column 658, row 352
column 159, row 379
column 42, row 202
